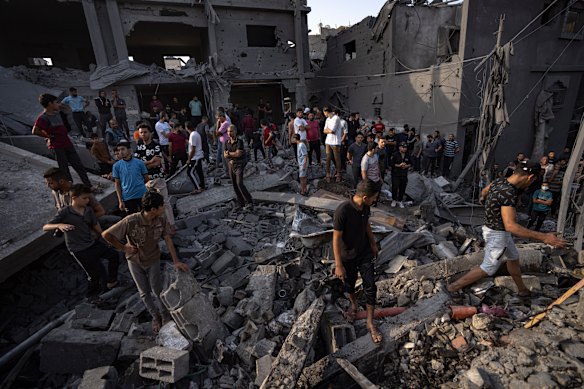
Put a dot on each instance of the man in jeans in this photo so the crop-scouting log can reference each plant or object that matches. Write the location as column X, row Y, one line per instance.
column 501, row 200
column 332, row 129
column 49, row 125
column 130, row 177
column 142, row 231
column 235, row 155
column 77, row 104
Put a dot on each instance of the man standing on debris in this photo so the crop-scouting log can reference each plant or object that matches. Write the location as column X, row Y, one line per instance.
column 235, row 155
column 302, row 157
column 177, row 148
column 119, row 105
column 355, row 155
column 196, row 110
column 332, row 129
column 313, row 137
column 163, row 130
column 142, row 231
column 49, row 125
column 370, row 169
column 203, row 129
column 104, row 107
column 77, row 104
column 400, row 164
column 195, row 158
column 221, row 130
column 355, row 250
column 130, row 176
column 501, row 200
column 451, row 148
column 150, row 152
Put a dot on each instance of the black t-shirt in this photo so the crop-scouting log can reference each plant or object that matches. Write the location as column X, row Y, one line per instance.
column 500, row 194
column 146, row 153
column 233, row 147
column 396, row 159
column 390, row 147
column 352, row 222
column 352, row 126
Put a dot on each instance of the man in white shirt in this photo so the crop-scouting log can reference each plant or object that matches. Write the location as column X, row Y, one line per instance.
column 333, row 131
column 163, row 130
column 300, row 127
column 196, row 155
column 344, row 139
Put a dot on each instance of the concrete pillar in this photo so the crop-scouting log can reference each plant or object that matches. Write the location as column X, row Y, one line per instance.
column 212, row 20
column 95, row 32
column 299, row 33
column 117, row 30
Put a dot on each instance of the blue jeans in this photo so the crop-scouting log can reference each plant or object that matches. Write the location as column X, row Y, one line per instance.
column 220, row 159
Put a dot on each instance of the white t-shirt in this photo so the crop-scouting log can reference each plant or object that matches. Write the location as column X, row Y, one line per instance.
column 344, row 128
column 195, row 141
column 334, row 138
column 162, row 128
column 298, row 122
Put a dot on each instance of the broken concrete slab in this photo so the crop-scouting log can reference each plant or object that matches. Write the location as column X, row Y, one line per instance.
column 104, row 377
column 366, row 355
column 227, row 259
column 238, row 246
column 207, row 257
column 356, row 375
column 291, row 358
column 122, row 322
column 531, row 282
column 170, row 336
column 263, row 368
column 132, row 346
column 263, row 347
column 397, row 242
column 180, row 291
column 72, row 351
column 262, row 287
column 164, row 364
column 237, row 279
column 88, row 316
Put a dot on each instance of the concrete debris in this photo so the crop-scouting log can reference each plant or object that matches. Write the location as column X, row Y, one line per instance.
column 105, row 377
column 164, row 364
column 169, row 336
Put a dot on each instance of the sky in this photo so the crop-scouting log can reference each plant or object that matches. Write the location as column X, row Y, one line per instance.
column 337, row 13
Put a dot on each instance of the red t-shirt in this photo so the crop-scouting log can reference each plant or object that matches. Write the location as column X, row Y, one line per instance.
column 313, row 131
column 54, row 128
column 267, row 131
column 178, row 142
column 379, row 127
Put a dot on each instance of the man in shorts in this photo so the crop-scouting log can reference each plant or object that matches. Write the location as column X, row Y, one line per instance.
column 500, row 223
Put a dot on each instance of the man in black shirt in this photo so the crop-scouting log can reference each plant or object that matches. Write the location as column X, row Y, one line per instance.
column 355, row 250
column 104, row 107
column 400, row 164
column 236, row 159
column 501, row 199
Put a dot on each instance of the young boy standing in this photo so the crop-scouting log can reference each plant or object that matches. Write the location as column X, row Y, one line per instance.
column 302, row 156
column 81, row 228
column 142, row 231
column 542, row 201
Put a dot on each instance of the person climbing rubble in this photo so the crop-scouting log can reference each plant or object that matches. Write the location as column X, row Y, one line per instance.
column 355, row 250
column 500, row 223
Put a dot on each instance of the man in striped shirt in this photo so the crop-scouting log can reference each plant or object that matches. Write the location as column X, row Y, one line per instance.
column 451, row 148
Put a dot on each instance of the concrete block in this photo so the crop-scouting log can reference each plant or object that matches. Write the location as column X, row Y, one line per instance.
column 442, row 182
column 132, row 346
column 238, row 246
column 180, row 291
column 164, row 364
column 218, row 238
column 263, row 347
column 262, row 287
column 90, row 317
column 170, row 336
column 205, row 237
column 336, row 332
column 72, row 351
column 531, row 282
column 189, row 252
column 225, row 295
column 207, row 257
column 232, row 319
column 263, row 368
column 105, row 377
column 198, row 320
column 444, row 230
column 237, row 279
column 226, row 260
column 324, row 218
column 122, row 322
column 193, row 222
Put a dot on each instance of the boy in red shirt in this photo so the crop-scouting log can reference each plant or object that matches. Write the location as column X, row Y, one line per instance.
column 269, row 144
column 313, row 138
column 379, row 127
column 177, row 148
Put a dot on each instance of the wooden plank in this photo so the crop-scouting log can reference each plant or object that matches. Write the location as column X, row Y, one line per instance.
column 560, row 300
column 378, row 216
column 355, row 374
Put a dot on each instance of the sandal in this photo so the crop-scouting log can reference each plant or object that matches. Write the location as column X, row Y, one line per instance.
column 156, row 323
column 376, row 336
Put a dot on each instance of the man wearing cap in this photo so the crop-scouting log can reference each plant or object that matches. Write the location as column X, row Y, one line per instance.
column 501, row 200
column 400, row 164
column 130, row 175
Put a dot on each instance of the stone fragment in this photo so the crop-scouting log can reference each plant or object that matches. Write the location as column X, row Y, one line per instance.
column 170, row 336
column 237, row 279
column 530, row 281
column 263, row 368
column 122, row 322
column 164, row 364
column 226, row 260
column 481, row 321
column 459, row 343
column 232, row 319
column 263, row 347
column 478, row 377
column 541, row 380
column 225, row 295
column 88, row 316
column 132, row 346
column 303, row 300
column 218, row 238
column 324, row 218
column 180, row 291
column 238, row 246
column 104, row 377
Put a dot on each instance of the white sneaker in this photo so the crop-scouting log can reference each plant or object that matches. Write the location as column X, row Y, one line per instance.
column 393, row 203
column 401, row 204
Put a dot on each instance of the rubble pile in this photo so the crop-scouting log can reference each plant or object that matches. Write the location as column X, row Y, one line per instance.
column 261, row 307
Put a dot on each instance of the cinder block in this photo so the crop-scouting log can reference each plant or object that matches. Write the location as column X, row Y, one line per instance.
column 164, row 364
column 232, row 319
column 207, row 257
column 205, row 237
column 198, row 320
column 122, row 322
column 72, row 351
column 223, row 262
column 193, row 222
column 531, row 282
column 225, row 295
column 189, row 252
column 324, row 218
column 180, row 291
column 336, row 331
column 218, row 238
column 105, row 377
column 238, row 246
column 237, row 279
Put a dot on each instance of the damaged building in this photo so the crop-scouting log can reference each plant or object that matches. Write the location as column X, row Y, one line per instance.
column 419, row 65
column 228, row 53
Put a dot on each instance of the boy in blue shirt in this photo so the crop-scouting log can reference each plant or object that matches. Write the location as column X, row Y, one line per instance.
column 542, row 201
column 130, row 175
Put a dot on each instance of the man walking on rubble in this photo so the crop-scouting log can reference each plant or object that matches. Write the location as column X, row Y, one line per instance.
column 355, row 250
column 501, row 200
column 142, row 231
column 235, row 156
